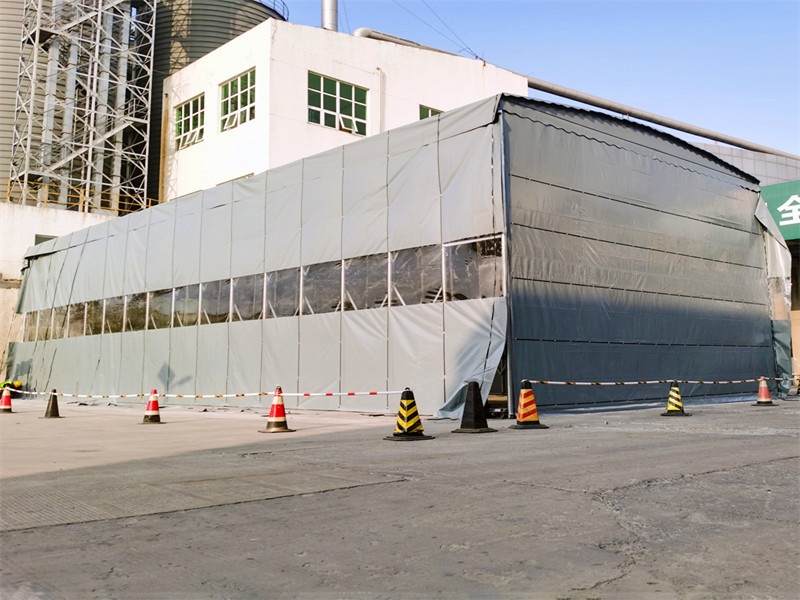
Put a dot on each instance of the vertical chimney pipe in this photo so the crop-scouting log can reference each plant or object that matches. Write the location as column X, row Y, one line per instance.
column 330, row 11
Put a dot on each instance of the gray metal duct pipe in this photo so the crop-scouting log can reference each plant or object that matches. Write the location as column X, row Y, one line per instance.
column 330, row 15
column 564, row 92
column 558, row 90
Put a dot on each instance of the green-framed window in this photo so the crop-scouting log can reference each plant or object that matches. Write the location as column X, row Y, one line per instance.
column 427, row 111
column 189, row 122
column 238, row 100
column 337, row 104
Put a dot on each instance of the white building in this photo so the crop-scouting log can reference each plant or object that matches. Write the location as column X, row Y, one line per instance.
column 281, row 92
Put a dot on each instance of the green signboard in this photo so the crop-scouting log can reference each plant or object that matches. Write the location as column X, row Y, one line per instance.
column 783, row 200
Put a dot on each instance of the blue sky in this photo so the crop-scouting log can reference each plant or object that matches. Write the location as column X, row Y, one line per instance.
column 729, row 66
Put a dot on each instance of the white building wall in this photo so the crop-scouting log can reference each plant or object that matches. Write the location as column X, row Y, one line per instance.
column 398, row 79
column 21, row 224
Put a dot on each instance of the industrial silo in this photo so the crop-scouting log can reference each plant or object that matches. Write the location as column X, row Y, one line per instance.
column 10, row 33
column 187, row 30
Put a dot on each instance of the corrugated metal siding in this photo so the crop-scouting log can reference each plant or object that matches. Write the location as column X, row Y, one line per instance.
column 10, row 32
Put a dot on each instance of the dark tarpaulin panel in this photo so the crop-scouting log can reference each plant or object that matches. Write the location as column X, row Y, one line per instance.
column 632, row 257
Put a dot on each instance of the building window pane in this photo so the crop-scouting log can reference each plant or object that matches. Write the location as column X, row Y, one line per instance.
column 77, row 318
column 59, row 327
column 31, row 322
column 189, row 119
column 427, row 111
column 94, row 317
column 238, row 100
column 159, row 312
column 338, row 99
column 136, row 312
column 366, row 282
column 322, row 288
column 44, row 323
column 248, row 297
column 417, row 276
column 187, row 305
column 474, row 269
column 114, row 315
column 283, row 293
column 215, row 303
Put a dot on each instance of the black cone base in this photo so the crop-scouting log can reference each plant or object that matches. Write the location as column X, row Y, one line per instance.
column 481, row 430
column 770, row 403
column 407, row 437
column 474, row 418
column 675, row 413
column 527, row 425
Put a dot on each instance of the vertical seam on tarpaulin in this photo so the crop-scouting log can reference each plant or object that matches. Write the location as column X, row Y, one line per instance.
column 443, row 267
column 389, row 311
column 229, row 274
column 264, row 299
column 494, row 302
column 170, row 370
column 146, row 303
column 506, row 204
column 341, row 272
column 199, row 320
column 300, row 291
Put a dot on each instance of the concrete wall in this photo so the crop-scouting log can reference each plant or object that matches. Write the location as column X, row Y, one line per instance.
column 398, row 79
column 21, row 224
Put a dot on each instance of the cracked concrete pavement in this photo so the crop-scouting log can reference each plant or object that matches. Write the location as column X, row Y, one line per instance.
column 606, row 504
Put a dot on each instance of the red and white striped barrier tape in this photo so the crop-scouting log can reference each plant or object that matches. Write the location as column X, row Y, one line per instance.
column 389, row 392
column 307, row 395
column 206, row 396
column 655, row 381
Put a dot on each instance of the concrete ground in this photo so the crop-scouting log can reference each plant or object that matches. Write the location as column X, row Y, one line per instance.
column 603, row 504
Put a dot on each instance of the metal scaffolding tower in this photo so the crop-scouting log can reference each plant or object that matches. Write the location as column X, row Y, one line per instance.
column 83, row 104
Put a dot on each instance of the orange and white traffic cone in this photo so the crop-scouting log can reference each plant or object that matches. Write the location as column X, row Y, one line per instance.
column 527, row 415
column 764, row 399
column 276, row 422
column 151, row 414
column 5, row 402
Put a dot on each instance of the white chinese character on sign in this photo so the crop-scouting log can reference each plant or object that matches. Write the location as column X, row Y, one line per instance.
column 790, row 210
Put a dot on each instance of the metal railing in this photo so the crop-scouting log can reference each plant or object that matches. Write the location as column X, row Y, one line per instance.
column 52, row 195
column 278, row 6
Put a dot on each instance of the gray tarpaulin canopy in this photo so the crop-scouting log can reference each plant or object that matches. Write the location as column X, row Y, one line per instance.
column 566, row 244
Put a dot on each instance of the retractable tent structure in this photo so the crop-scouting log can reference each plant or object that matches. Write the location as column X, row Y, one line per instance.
column 566, row 244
